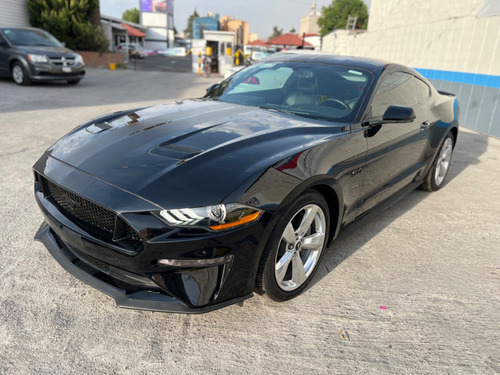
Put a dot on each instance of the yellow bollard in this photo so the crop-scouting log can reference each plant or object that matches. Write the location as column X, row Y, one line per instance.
column 199, row 63
column 112, row 66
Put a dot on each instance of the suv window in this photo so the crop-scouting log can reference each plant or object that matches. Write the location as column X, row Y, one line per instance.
column 397, row 88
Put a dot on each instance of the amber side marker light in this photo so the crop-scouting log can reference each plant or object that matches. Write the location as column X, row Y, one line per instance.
column 243, row 220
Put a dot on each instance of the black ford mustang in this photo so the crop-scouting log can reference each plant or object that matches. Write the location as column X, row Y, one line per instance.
column 193, row 205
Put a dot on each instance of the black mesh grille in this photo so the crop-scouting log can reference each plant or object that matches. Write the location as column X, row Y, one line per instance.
column 96, row 220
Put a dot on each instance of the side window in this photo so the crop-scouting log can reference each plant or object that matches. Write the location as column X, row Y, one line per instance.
column 423, row 90
column 396, row 88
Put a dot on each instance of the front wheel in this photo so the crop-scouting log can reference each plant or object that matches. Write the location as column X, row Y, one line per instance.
column 73, row 81
column 295, row 248
column 20, row 75
column 434, row 179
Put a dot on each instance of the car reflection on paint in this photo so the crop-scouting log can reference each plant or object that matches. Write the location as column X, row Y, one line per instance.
column 194, row 205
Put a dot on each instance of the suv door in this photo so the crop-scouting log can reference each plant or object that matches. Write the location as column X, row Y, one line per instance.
column 4, row 56
column 396, row 151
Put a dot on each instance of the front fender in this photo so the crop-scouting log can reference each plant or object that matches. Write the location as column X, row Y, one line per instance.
column 20, row 59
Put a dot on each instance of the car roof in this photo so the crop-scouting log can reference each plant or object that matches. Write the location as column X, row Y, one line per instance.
column 19, row 28
column 372, row 65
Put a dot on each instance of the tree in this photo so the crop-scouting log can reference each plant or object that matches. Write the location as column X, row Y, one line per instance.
column 276, row 32
column 188, row 31
column 335, row 15
column 131, row 15
column 292, row 30
column 70, row 22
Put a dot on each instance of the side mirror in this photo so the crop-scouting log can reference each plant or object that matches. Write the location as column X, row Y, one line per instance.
column 399, row 114
column 212, row 87
column 393, row 114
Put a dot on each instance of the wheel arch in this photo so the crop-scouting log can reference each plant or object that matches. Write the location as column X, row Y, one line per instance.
column 329, row 188
column 454, row 131
column 20, row 59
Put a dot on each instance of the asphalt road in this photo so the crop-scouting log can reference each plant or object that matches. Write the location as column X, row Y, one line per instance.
column 415, row 290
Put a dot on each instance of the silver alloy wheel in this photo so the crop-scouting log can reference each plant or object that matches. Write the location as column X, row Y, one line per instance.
column 18, row 74
column 443, row 162
column 300, row 247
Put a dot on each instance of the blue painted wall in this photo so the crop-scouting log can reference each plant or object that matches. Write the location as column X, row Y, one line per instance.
column 478, row 97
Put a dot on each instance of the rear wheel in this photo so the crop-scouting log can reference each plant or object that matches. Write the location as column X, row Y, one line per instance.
column 20, row 75
column 295, row 248
column 435, row 177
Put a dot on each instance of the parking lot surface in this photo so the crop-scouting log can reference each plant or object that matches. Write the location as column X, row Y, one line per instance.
column 414, row 290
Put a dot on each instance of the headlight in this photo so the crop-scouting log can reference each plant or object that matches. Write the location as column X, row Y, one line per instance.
column 78, row 59
column 38, row 58
column 215, row 218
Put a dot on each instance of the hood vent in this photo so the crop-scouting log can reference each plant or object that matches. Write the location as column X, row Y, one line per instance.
column 175, row 151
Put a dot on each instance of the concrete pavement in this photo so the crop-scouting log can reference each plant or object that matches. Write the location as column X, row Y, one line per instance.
column 414, row 290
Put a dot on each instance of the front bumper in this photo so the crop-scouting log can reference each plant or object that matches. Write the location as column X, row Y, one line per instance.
column 51, row 72
column 209, row 271
column 141, row 299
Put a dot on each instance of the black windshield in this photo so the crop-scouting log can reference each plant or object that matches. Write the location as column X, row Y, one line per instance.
column 304, row 89
column 21, row 37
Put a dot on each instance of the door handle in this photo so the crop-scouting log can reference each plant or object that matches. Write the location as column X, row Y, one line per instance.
column 425, row 125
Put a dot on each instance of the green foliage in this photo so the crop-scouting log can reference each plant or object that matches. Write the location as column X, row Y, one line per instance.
column 188, row 31
column 131, row 15
column 70, row 22
column 276, row 32
column 292, row 30
column 335, row 15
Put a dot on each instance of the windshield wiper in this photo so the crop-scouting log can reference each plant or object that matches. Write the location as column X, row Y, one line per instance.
column 279, row 110
column 299, row 113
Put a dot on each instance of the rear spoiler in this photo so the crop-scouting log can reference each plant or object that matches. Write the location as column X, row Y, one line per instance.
column 446, row 93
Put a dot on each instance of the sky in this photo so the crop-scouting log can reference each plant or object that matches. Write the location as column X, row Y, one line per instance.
column 262, row 15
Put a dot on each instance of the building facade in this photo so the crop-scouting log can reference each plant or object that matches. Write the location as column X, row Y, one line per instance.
column 204, row 23
column 229, row 23
column 309, row 23
column 456, row 45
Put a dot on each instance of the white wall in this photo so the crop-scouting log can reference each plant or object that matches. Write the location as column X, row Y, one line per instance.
column 14, row 13
column 456, row 44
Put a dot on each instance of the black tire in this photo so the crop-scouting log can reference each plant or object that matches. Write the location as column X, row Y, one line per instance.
column 19, row 74
column 73, row 81
column 435, row 177
column 288, row 281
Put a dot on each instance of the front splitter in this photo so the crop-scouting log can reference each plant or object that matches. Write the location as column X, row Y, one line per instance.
column 141, row 300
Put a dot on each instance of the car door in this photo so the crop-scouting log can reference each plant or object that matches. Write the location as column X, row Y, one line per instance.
column 396, row 151
column 4, row 56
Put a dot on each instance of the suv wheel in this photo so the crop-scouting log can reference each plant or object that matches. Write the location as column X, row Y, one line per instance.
column 20, row 75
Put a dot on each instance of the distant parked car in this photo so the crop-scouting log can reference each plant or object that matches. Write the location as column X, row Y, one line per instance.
column 134, row 50
column 29, row 54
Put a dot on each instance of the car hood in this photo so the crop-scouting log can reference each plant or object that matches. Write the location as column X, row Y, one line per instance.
column 47, row 50
column 190, row 153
